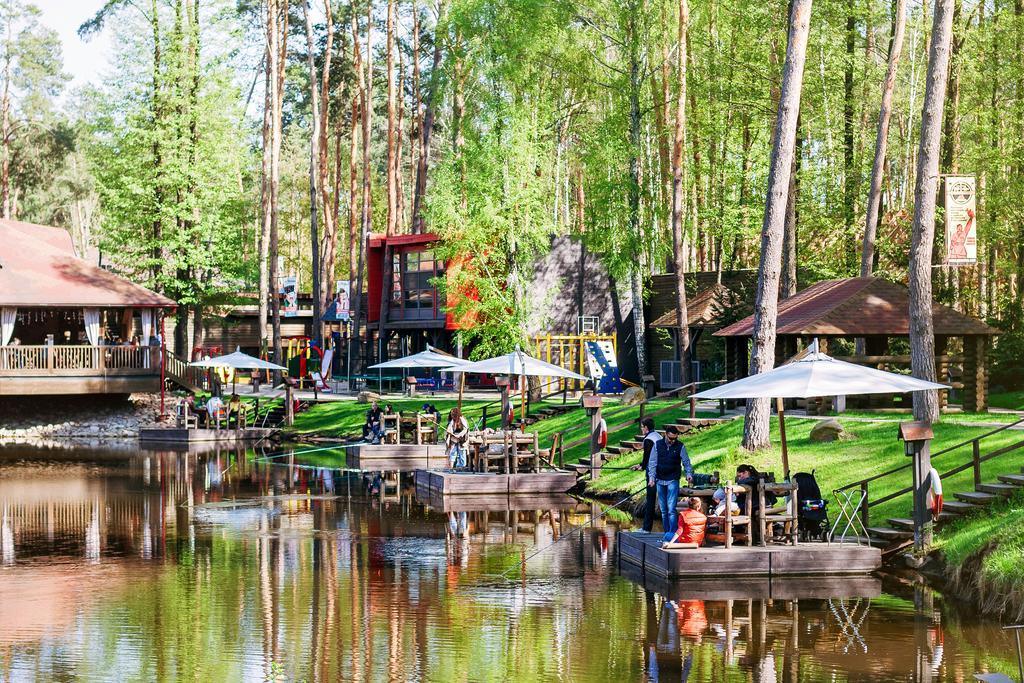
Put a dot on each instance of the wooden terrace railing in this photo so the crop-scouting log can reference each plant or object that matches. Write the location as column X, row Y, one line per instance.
column 63, row 361
column 973, row 464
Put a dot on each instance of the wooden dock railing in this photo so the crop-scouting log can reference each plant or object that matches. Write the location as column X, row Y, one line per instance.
column 973, row 464
column 61, row 361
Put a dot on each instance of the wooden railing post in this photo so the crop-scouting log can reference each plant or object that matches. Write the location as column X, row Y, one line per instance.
column 864, row 505
column 976, row 462
column 483, row 419
column 693, row 407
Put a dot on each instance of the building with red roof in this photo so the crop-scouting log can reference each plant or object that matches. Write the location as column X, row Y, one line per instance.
column 68, row 326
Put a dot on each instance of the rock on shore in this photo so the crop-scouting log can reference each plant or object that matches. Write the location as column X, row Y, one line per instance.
column 78, row 417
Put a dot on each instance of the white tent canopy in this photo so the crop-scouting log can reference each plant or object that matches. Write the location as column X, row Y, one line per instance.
column 237, row 361
column 817, row 374
column 518, row 363
column 812, row 374
column 431, row 358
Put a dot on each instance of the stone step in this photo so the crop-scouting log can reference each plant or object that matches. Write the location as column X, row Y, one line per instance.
column 959, row 507
column 901, row 524
column 998, row 489
column 888, row 533
column 1015, row 479
column 975, row 497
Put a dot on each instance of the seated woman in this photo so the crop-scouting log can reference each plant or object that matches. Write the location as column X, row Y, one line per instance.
column 692, row 526
column 235, row 408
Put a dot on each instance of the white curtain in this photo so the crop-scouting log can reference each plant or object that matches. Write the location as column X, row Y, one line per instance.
column 8, row 316
column 92, row 325
column 146, row 321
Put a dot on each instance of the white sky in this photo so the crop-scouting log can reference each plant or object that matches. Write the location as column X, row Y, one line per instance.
column 85, row 61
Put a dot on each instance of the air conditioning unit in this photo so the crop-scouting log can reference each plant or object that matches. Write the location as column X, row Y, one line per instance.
column 671, row 375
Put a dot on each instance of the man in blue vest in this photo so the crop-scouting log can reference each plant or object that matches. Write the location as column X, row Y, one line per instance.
column 668, row 461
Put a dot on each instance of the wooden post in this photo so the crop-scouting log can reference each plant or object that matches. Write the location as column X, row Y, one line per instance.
column 592, row 404
column 917, row 438
column 462, row 384
column 864, row 514
column 976, row 462
column 289, row 406
column 693, row 407
column 782, row 438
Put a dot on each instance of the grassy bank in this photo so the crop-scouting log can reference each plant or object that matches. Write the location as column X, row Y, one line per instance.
column 1011, row 400
column 341, row 419
column 984, row 558
column 874, row 449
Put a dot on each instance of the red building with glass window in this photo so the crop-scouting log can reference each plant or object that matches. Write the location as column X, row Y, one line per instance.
column 416, row 314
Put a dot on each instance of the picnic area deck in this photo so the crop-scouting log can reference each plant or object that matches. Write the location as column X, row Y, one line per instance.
column 825, row 559
column 449, row 483
column 405, row 457
column 183, row 435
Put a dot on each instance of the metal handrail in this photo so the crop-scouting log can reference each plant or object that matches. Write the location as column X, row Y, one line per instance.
column 868, row 480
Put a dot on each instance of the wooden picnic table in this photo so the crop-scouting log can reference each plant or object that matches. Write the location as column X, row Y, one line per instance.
column 516, row 448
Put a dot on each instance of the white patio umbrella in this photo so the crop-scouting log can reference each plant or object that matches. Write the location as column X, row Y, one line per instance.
column 237, row 361
column 517, row 363
column 812, row 374
column 431, row 358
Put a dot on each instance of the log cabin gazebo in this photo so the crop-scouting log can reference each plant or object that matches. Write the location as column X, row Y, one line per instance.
column 68, row 326
column 879, row 312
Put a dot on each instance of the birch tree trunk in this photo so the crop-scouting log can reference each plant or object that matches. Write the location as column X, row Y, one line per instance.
column 329, row 240
column 679, row 185
column 365, row 82
column 867, row 257
column 427, row 127
column 922, row 334
column 756, row 425
column 314, row 172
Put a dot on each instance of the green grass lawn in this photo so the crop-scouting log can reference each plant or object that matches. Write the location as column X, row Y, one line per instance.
column 1011, row 400
column 950, row 418
column 874, row 450
column 999, row 526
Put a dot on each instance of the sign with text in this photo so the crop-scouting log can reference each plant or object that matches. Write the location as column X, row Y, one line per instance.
column 290, row 287
column 961, row 226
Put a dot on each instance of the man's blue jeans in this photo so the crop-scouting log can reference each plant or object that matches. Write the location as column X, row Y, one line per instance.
column 668, row 496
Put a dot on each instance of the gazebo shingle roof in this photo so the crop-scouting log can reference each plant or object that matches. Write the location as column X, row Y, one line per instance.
column 862, row 306
column 704, row 309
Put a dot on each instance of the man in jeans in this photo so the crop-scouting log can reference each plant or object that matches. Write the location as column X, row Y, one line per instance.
column 651, row 439
column 664, row 469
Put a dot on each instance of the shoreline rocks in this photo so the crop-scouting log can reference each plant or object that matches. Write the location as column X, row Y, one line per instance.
column 85, row 417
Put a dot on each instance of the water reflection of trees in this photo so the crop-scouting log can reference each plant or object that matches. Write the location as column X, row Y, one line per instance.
column 219, row 566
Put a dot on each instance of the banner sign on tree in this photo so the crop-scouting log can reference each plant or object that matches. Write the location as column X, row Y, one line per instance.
column 961, row 226
column 290, row 287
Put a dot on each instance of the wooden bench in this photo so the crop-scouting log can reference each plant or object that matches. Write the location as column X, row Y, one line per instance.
column 426, row 428
column 729, row 521
column 786, row 514
column 390, row 427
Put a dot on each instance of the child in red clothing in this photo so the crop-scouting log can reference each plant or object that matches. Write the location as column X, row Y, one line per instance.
column 692, row 524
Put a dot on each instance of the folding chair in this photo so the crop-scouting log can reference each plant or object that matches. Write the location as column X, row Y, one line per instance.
column 850, row 502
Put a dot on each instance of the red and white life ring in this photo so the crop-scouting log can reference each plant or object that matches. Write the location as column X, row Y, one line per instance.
column 934, row 494
column 602, row 434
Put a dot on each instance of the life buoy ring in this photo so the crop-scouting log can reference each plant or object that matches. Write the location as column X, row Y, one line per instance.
column 226, row 375
column 602, row 434
column 934, row 494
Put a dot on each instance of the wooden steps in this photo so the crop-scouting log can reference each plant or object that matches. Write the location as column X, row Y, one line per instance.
column 1015, row 479
column 998, row 489
column 888, row 533
column 959, row 507
column 976, row 497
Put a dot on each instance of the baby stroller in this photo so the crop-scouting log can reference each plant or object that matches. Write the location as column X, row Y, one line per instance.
column 813, row 512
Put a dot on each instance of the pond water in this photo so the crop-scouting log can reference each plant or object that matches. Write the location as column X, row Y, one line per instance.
column 121, row 564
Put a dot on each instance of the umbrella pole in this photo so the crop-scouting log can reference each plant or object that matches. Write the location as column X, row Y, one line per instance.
column 782, row 438
column 522, row 401
column 462, row 384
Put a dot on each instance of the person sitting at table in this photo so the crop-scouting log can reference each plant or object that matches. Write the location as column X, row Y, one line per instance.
column 214, row 406
column 455, row 435
column 692, row 524
column 234, row 408
column 719, row 503
column 372, row 426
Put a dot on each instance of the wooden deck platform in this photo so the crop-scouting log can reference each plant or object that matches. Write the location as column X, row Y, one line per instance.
column 449, row 483
column 755, row 587
column 396, row 457
column 494, row 503
column 824, row 559
column 223, row 437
